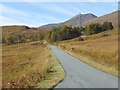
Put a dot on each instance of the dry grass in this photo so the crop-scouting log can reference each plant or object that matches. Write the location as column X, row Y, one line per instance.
column 7, row 30
column 29, row 66
column 100, row 50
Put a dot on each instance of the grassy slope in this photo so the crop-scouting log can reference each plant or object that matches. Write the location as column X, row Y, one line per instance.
column 111, row 17
column 99, row 51
column 30, row 68
column 7, row 30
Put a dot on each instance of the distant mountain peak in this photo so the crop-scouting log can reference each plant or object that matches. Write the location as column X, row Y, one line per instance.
column 76, row 20
column 79, row 19
column 91, row 14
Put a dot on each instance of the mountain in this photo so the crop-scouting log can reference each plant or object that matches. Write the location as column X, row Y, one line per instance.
column 77, row 20
column 111, row 17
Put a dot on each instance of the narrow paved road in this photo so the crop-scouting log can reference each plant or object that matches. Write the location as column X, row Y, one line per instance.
column 80, row 75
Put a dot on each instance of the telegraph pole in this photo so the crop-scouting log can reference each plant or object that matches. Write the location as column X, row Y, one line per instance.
column 18, row 44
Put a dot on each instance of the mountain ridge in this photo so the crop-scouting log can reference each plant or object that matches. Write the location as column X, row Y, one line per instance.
column 110, row 17
column 86, row 19
column 76, row 20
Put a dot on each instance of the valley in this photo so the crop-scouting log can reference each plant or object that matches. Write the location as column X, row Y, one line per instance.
column 80, row 52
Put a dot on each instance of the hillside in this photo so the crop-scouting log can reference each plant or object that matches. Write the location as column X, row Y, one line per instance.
column 24, row 30
column 98, row 50
column 112, row 17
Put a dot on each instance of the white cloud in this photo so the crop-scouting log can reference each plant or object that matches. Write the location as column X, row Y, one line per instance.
column 53, row 7
column 44, row 17
column 59, row 9
column 2, row 18
column 15, row 16
column 36, row 18
column 10, row 10
column 8, row 21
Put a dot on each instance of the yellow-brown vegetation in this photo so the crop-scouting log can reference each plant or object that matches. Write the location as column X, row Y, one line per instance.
column 99, row 50
column 29, row 65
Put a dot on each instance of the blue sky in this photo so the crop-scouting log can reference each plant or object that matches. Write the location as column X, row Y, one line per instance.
column 35, row 14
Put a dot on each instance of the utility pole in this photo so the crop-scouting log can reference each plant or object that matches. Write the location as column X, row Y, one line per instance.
column 18, row 44
column 80, row 21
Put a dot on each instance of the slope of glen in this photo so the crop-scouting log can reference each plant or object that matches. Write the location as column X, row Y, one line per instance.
column 23, row 30
column 112, row 17
column 98, row 50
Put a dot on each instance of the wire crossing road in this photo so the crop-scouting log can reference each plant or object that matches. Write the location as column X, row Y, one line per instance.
column 81, row 75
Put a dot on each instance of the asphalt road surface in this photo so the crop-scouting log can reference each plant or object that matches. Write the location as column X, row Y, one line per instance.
column 81, row 75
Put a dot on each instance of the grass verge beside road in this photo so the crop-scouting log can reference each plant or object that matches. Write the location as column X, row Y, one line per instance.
column 32, row 65
column 89, row 61
column 55, row 77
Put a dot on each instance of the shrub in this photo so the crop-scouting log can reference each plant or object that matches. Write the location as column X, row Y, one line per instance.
column 107, row 26
column 80, row 39
column 33, row 38
column 3, row 40
column 10, row 40
column 13, row 39
column 41, row 37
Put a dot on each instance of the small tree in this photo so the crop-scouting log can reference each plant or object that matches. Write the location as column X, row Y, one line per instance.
column 10, row 40
column 110, row 26
column 3, row 40
column 41, row 37
column 48, row 36
column 107, row 26
column 32, row 38
column 93, row 29
column 22, row 38
column 54, row 37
